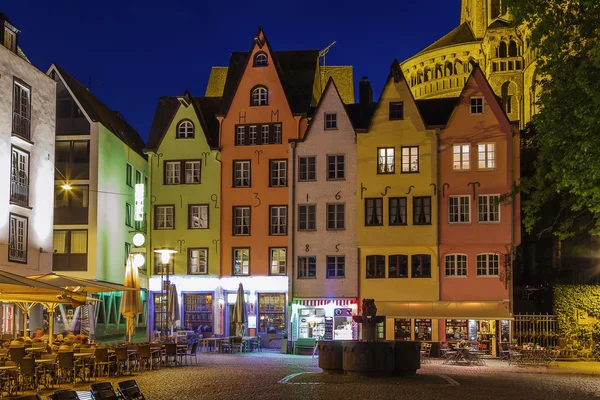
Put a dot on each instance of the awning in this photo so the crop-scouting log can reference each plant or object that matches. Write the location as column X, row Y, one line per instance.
column 444, row 309
column 324, row 301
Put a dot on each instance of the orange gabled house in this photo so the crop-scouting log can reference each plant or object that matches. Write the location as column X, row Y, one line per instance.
column 478, row 164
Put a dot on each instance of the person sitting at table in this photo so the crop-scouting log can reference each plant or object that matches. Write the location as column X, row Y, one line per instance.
column 38, row 334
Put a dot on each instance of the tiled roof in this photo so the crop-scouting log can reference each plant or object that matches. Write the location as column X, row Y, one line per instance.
column 99, row 112
column 206, row 109
column 499, row 23
column 436, row 112
column 344, row 80
column 459, row 35
column 360, row 115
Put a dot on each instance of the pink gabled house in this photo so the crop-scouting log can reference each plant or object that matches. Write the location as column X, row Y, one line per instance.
column 478, row 164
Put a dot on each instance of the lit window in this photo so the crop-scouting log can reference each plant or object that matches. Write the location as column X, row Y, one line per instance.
column 164, row 217
column 198, row 216
column 458, row 209
column 456, row 265
column 476, row 105
column 278, row 261
column 173, row 173
column 487, row 155
column 385, row 160
column 259, row 96
column 185, row 130
column 410, row 159
column 192, row 172
column 488, row 208
column 241, row 261
column 487, row 264
column 197, row 261
column 461, row 157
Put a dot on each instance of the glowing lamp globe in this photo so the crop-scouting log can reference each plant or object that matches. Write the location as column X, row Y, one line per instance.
column 165, row 254
column 138, row 260
column 139, row 239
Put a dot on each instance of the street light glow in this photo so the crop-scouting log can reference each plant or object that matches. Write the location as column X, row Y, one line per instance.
column 66, row 186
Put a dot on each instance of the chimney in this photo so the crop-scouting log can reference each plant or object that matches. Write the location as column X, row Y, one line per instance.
column 365, row 92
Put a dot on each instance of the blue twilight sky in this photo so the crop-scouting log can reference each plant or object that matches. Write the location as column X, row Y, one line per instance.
column 138, row 50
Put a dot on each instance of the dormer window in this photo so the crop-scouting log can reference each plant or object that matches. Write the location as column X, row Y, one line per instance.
column 185, row 130
column 260, row 59
column 10, row 39
column 259, row 96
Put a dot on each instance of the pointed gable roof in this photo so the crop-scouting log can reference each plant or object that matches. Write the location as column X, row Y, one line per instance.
column 296, row 70
column 99, row 112
column 206, row 109
column 459, row 35
column 436, row 112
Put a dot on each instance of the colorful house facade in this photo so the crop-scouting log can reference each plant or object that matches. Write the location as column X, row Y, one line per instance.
column 185, row 174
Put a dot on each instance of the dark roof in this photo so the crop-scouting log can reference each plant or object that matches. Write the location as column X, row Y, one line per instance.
column 360, row 115
column 98, row 112
column 499, row 23
column 436, row 112
column 460, row 34
column 296, row 69
column 206, row 109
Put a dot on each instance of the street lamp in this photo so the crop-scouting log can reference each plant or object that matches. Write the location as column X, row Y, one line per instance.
column 165, row 257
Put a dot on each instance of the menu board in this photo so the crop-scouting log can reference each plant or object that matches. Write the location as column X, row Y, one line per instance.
column 328, row 328
column 504, row 331
column 472, row 330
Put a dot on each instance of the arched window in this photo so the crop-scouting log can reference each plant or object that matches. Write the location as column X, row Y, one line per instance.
column 185, row 129
column 259, row 96
column 513, row 50
column 448, row 69
column 419, row 77
column 457, row 67
column 438, row 71
column 502, row 50
column 508, row 92
column 260, row 59
column 427, row 75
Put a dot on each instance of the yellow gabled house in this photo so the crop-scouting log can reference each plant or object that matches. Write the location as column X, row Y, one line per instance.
column 397, row 212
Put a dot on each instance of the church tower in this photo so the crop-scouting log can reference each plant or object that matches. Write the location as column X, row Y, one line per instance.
column 480, row 14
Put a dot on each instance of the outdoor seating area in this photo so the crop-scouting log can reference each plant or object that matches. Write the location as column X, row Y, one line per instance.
column 530, row 354
column 229, row 344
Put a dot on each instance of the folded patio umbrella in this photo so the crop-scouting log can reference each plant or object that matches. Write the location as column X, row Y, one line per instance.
column 240, row 318
column 131, row 304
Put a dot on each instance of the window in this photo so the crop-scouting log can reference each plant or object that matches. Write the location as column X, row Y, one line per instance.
column 459, row 210
column 307, row 217
column 241, row 174
column 376, row 266
column 421, row 210
column 264, row 134
column 19, row 177
column 271, row 309
column 456, row 265
column 487, row 155
column 17, row 245
column 385, row 160
column 421, row 266
column 172, row 172
column 278, row 261
column 278, row 223
column 21, row 124
column 307, row 267
column 138, row 177
column 397, row 210
column 260, row 59
column 336, row 216
column 398, row 266
column 335, row 167
column 129, row 175
column 240, row 137
column 278, row 173
column 128, row 215
column 476, row 105
column 185, row 130
column 241, row 261
column 192, row 172
column 423, row 330
column 164, row 217
column 160, row 268
column 198, row 261
column 249, row 134
column 71, row 206
column 330, row 121
column 461, row 160
column 72, row 160
column 396, row 110
column 336, row 267
column 410, row 159
column 241, row 221
column 259, row 96
column 10, row 39
column 198, row 216
column 488, row 208
column 252, row 134
column 374, row 211
column 127, row 251
column 307, row 169
column 277, row 134
column 69, row 250
column 487, row 264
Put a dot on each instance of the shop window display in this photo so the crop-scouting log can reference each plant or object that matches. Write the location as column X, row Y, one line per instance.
column 401, row 329
column 199, row 312
column 457, row 329
column 271, row 308
column 423, row 329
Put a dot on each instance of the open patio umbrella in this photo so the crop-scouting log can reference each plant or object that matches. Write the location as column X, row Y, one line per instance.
column 131, row 304
column 80, row 284
column 240, row 318
column 173, row 306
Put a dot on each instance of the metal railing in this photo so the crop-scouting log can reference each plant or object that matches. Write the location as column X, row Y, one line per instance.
column 15, row 254
column 541, row 329
column 19, row 192
column 21, row 126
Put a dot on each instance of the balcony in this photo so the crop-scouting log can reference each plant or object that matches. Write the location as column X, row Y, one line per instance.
column 17, row 255
column 21, row 126
column 72, row 126
column 19, row 193
column 69, row 262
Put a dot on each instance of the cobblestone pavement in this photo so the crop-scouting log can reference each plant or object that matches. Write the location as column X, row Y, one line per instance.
column 267, row 376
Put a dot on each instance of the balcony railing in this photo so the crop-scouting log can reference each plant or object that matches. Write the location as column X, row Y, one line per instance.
column 17, row 255
column 21, row 126
column 19, row 192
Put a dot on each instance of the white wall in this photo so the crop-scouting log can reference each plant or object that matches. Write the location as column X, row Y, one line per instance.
column 41, row 163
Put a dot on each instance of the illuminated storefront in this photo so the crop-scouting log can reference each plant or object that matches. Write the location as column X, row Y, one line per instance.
column 328, row 319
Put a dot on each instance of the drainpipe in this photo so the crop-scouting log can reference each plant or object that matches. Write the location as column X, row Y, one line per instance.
column 439, row 208
column 293, row 217
column 149, row 252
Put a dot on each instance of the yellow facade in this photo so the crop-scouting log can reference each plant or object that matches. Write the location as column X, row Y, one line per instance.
column 388, row 238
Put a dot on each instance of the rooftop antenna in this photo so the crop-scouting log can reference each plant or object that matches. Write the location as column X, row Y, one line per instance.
column 323, row 52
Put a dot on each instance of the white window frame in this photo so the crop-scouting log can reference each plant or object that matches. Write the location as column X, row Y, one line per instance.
column 277, row 134
column 241, row 221
column 337, row 262
column 330, row 121
column 476, row 105
column 185, row 130
column 278, row 261
column 244, row 174
column 192, row 172
column 240, row 138
column 261, row 60
column 198, row 212
column 486, row 154
column 265, row 131
column 21, row 109
column 19, row 176
column 461, row 157
column 335, row 167
column 164, row 217
column 260, row 96
column 277, row 173
column 238, row 255
column 252, row 134
column 488, row 209
column 456, row 265
column 307, row 172
column 172, row 172
column 199, row 267
column 17, row 238
column 333, row 216
column 304, row 224
column 456, row 209
column 386, row 160
column 410, row 160
column 484, row 264
column 278, row 221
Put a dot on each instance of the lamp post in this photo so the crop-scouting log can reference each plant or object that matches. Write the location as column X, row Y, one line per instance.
column 165, row 257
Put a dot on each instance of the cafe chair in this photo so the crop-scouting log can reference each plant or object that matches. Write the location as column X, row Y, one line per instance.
column 130, row 390
column 191, row 353
column 171, row 353
column 29, row 375
column 102, row 361
column 104, row 391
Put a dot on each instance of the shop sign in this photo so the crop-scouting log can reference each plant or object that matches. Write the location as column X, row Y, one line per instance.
column 138, row 214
